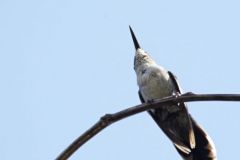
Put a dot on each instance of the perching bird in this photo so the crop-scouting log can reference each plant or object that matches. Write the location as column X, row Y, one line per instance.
column 155, row 82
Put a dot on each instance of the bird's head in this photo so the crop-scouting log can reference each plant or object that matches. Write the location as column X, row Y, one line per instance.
column 141, row 57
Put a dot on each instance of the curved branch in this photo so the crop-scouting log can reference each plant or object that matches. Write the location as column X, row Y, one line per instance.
column 111, row 118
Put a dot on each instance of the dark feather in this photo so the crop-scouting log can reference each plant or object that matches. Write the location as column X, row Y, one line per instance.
column 204, row 149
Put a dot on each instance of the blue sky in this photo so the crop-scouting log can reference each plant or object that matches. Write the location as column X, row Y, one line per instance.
column 64, row 64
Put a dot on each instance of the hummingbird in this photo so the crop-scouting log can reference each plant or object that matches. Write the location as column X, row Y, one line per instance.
column 155, row 82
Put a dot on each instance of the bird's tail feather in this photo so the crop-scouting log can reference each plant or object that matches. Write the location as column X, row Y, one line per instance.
column 204, row 150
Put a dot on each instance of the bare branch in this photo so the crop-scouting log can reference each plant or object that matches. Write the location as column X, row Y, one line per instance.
column 111, row 118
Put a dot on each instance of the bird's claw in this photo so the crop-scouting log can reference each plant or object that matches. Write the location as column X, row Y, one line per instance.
column 176, row 94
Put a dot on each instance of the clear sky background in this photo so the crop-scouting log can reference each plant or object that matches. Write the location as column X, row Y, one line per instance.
column 64, row 64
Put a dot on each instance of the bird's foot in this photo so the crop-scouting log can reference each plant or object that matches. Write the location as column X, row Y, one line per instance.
column 176, row 94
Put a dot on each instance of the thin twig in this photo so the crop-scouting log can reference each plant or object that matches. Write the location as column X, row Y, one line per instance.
column 111, row 118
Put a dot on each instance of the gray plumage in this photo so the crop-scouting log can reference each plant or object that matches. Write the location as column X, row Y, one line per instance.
column 155, row 82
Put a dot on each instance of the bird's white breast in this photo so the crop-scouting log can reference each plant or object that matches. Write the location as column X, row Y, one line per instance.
column 154, row 82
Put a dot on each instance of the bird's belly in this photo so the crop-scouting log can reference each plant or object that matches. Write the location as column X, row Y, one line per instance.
column 156, row 88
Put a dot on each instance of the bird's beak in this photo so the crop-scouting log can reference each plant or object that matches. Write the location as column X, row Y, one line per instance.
column 136, row 44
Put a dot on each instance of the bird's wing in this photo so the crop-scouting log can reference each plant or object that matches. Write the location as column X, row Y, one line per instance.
column 175, row 82
column 141, row 97
column 204, row 149
column 184, row 113
column 176, row 126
